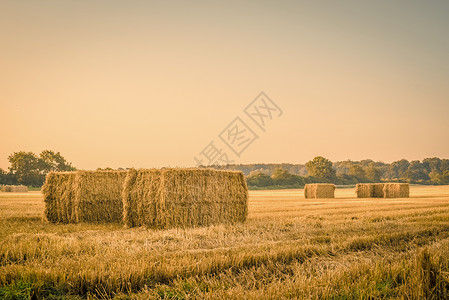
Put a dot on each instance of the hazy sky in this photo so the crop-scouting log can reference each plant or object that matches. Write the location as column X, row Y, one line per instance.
column 152, row 83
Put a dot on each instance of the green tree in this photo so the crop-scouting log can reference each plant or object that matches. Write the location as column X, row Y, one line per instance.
column 439, row 177
column 53, row 161
column 281, row 176
column 321, row 167
column 358, row 172
column 373, row 173
column 2, row 176
column 260, row 179
column 25, row 166
column 432, row 164
column 398, row 169
column 416, row 172
column 444, row 165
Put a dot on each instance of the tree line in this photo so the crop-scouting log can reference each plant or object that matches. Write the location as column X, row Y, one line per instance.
column 321, row 170
column 30, row 169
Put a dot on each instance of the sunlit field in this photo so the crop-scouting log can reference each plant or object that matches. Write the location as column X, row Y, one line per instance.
column 290, row 247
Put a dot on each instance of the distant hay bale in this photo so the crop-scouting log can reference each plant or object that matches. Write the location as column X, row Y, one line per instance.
column 396, row 190
column 319, row 190
column 6, row 189
column 369, row 190
column 378, row 190
column 184, row 198
column 382, row 190
column 19, row 189
column 14, row 189
column 84, row 196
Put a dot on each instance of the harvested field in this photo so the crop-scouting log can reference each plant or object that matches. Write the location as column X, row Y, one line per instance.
column 289, row 247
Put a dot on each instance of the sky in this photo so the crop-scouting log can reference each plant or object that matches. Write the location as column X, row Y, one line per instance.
column 156, row 83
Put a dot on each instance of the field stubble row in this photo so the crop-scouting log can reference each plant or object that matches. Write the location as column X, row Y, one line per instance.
column 289, row 247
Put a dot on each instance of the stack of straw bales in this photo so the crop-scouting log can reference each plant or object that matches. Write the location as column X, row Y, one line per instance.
column 84, row 196
column 319, row 190
column 14, row 189
column 184, row 197
column 382, row 190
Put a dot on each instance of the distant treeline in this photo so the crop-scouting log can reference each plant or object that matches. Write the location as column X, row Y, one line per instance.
column 428, row 171
column 30, row 169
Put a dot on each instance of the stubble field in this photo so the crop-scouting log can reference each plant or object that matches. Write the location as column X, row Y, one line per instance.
column 290, row 247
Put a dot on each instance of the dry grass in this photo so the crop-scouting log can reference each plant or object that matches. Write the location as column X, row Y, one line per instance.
column 184, row 198
column 289, row 247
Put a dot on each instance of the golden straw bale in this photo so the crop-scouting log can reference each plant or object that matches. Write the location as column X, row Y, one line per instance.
column 14, row 189
column 319, row 190
column 184, row 197
column 84, row 196
column 396, row 190
column 98, row 196
column 369, row 190
column 58, row 197
column 6, row 188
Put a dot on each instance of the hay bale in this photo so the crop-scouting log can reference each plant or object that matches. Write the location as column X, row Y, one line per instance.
column 6, row 189
column 378, row 190
column 140, row 194
column 396, row 190
column 369, row 190
column 14, row 189
column 184, row 197
column 319, row 190
column 84, row 196
column 59, row 197
column 98, row 196
column 364, row 190
column 19, row 189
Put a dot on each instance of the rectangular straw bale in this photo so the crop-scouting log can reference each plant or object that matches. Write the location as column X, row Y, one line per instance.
column 319, row 190
column 59, row 197
column 98, row 196
column 6, row 189
column 19, row 189
column 84, row 196
column 14, row 189
column 369, row 190
column 140, row 193
column 364, row 190
column 184, row 197
column 396, row 190
column 378, row 190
